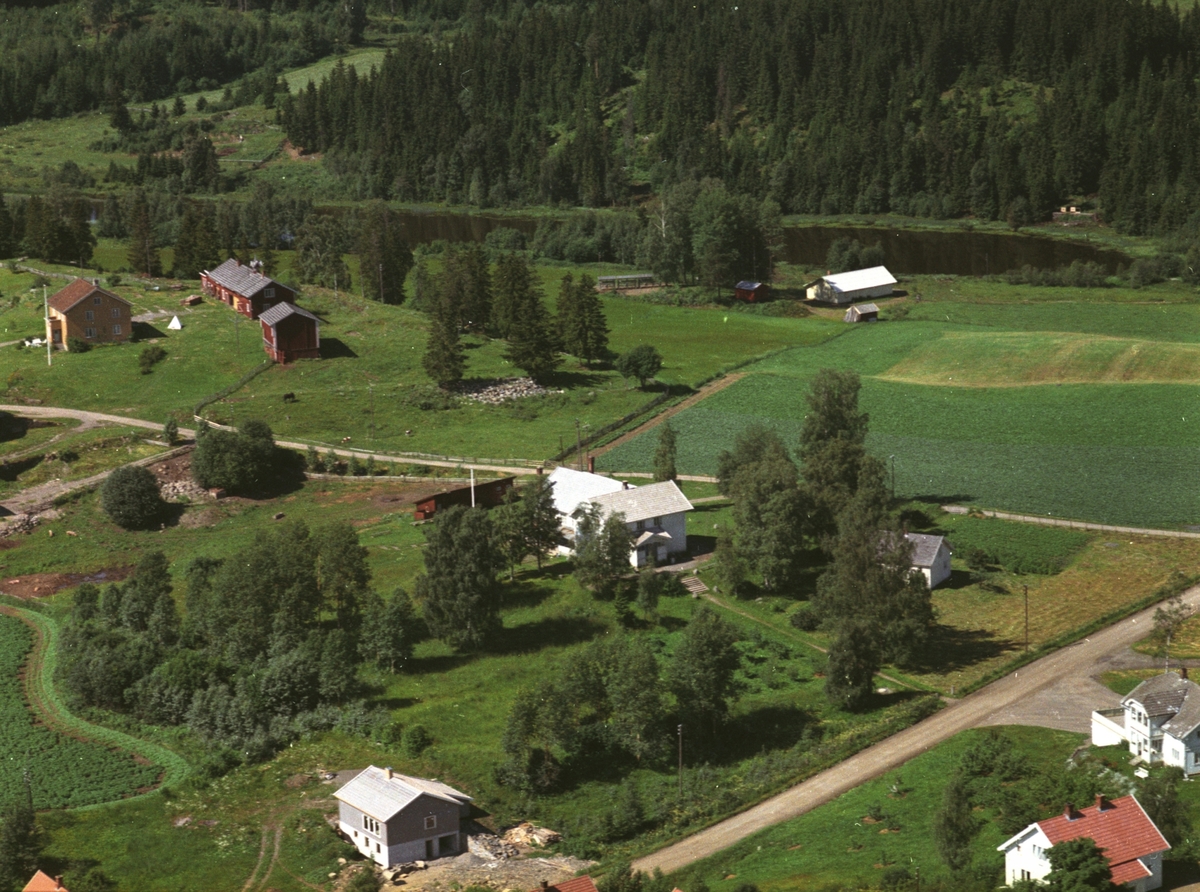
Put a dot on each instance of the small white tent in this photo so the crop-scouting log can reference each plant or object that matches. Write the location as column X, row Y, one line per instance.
column 175, row 325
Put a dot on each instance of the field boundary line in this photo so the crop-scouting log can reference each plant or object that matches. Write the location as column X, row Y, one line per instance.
column 39, row 679
column 1070, row 524
column 703, row 393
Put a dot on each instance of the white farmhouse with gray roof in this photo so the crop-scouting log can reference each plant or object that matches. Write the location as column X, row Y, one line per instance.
column 572, row 489
column 1160, row 719
column 931, row 557
column 656, row 516
column 393, row 818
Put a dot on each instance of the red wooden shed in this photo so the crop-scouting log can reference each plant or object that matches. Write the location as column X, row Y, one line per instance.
column 488, row 494
column 290, row 333
column 752, row 292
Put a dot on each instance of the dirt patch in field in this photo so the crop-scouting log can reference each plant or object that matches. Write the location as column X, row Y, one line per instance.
column 173, row 470
column 43, row 585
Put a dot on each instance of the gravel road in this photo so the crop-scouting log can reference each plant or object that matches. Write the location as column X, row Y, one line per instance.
column 1016, row 698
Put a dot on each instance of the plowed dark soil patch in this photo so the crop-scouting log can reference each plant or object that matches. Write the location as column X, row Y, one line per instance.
column 43, row 585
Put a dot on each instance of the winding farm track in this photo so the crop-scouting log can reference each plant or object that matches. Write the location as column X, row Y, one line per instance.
column 1009, row 700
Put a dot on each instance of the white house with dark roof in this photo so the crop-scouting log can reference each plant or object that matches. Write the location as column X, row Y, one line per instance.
column 1160, row 720
column 393, row 818
column 656, row 516
column 1121, row 829
column 931, row 557
column 859, row 284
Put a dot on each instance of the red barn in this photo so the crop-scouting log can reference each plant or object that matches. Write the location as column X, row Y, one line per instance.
column 290, row 333
column 245, row 288
column 752, row 292
column 487, row 495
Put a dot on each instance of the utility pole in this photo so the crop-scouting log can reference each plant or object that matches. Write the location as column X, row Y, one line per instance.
column 679, row 731
column 1026, row 617
column 579, row 448
column 381, row 300
column 49, row 339
column 893, row 460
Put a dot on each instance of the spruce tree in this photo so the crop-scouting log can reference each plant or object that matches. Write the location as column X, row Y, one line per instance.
column 510, row 287
column 443, row 360
column 8, row 242
column 196, row 245
column 20, row 842
column 530, row 344
column 143, row 255
column 954, row 825
column 384, row 255
column 664, row 454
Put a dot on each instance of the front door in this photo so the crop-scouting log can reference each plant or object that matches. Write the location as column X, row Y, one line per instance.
column 429, row 850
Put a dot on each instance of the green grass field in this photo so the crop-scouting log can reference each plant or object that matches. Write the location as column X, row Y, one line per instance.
column 1069, row 408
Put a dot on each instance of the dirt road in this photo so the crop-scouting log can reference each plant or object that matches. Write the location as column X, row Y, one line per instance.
column 990, row 705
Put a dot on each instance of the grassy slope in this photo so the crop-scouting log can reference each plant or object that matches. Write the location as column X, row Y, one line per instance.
column 1103, row 386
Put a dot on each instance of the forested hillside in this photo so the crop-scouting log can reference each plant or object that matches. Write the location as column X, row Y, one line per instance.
column 921, row 107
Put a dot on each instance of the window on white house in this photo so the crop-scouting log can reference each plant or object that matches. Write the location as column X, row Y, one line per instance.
column 641, row 525
column 658, row 521
column 89, row 315
column 370, row 825
column 89, row 332
column 431, row 822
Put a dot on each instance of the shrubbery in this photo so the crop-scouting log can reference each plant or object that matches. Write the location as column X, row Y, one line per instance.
column 130, row 497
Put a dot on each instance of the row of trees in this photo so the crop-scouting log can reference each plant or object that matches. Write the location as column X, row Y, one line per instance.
column 878, row 610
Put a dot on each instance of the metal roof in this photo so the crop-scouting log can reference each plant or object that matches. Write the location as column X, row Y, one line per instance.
column 644, row 502
column 382, row 793
column 925, row 548
column 859, row 279
column 281, row 311
column 572, row 488
column 241, row 279
column 747, row 285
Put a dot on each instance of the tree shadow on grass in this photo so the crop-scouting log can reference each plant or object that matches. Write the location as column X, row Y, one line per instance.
column 438, row 664
column 954, row 649
column 762, row 730
column 934, row 499
column 552, row 631
column 569, row 380
column 10, row 471
column 525, row 593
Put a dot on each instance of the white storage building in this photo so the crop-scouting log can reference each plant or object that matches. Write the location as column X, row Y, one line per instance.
column 859, row 284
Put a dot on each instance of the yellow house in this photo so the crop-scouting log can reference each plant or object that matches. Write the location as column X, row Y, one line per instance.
column 86, row 311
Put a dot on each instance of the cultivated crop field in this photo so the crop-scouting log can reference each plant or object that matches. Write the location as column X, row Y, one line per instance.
column 64, row 772
column 1080, row 409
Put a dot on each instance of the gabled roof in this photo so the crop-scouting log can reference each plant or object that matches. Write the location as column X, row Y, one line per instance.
column 644, row 502
column 241, row 279
column 578, row 884
column 862, row 309
column 1163, row 694
column 281, row 311
column 572, row 488
column 79, row 290
column 925, row 548
column 42, row 882
column 858, row 279
column 382, row 793
column 1121, row 828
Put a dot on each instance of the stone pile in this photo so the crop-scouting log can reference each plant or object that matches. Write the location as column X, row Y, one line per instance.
column 21, row 523
column 489, row 846
column 176, row 489
column 496, row 392
column 525, row 834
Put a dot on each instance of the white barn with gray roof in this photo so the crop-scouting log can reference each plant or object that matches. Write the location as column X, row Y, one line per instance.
column 859, row 284
column 656, row 516
column 1161, row 722
column 931, row 557
column 572, row 489
column 393, row 818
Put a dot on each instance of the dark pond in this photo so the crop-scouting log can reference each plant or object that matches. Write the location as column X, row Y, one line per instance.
column 421, row 229
column 955, row 253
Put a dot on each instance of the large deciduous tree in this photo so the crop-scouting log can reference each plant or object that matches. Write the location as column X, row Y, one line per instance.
column 642, row 362
column 131, row 498
column 701, row 673
column 1078, row 865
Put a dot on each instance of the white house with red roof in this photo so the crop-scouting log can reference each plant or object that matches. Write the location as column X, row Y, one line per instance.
column 1121, row 829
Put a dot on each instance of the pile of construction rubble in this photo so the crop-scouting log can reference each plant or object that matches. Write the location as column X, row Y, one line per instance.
column 529, row 836
column 495, row 392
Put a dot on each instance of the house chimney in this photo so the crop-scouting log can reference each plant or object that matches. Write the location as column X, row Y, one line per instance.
column 1183, row 672
column 545, row 884
column 1069, row 812
column 1102, row 803
column 58, row 882
column 591, row 464
column 389, row 772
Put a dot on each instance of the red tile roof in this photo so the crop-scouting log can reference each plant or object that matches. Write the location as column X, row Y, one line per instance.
column 579, row 884
column 1122, row 830
column 77, row 291
column 43, row 883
